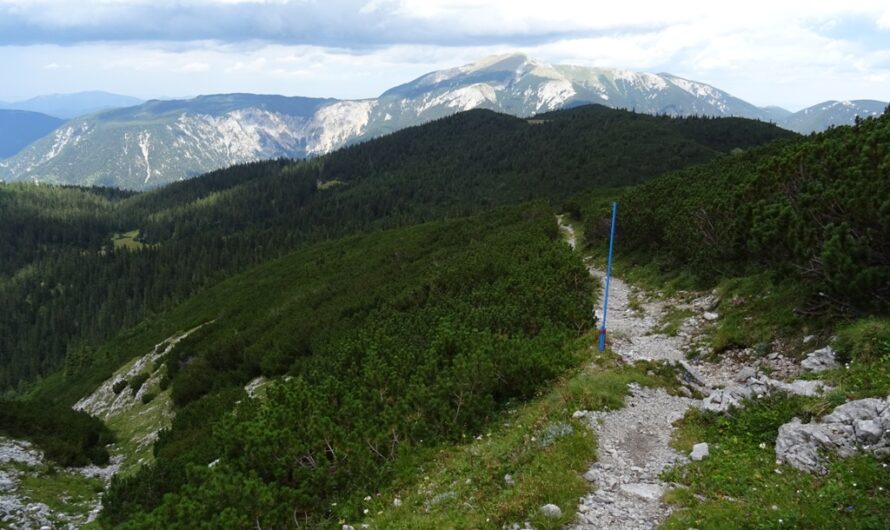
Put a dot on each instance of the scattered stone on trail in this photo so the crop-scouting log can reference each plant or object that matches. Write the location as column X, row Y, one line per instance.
column 7, row 483
column 857, row 426
column 699, row 452
column 746, row 373
column 578, row 414
column 508, row 479
column 707, row 303
column 802, row 387
column 551, row 511
column 808, row 339
column 646, row 491
column 692, row 378
column 820, row 360
column 723, row 399
column 710, row 316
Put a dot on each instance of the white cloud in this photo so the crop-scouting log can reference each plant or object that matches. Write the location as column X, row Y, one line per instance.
column 194, row 67
column 791, row 52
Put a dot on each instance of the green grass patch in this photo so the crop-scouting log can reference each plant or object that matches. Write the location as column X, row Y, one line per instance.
column 754, row 310
column 672, row 320
column 864, row 340
column 635, row 303
column 864, row 348
column 62, row 491
column 740, row 486
column 328, row 184
column 133, row 424
column 127, row 240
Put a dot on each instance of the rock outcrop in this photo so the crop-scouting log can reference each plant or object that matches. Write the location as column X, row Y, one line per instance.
column 857, row 426
column 754, row 386
column 820, row 360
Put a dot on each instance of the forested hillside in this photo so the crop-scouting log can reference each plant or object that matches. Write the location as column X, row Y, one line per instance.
column 117, row 259
column 815, row 214
column 391, row 343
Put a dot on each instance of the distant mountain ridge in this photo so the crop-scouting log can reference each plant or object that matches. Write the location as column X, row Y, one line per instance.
column 159, row 142
column 67, row 106
column 18, row 128
column 823, row 115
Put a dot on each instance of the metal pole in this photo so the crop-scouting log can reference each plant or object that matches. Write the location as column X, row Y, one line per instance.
column 608, row 279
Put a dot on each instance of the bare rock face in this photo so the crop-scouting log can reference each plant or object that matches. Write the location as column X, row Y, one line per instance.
column 857, row 426
column 820, row 360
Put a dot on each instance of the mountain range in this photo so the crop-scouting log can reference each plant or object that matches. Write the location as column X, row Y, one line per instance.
column 19, row 128
column 821, row 116
column 158, row 142
column 67, row 106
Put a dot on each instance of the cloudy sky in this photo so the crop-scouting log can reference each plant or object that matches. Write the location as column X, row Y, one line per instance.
column 789, row 53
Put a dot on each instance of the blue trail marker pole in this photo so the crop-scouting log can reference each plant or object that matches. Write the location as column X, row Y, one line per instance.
column 608, row 279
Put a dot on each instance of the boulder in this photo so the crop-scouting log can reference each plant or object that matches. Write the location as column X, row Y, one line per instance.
column 699, row 452
column 746, row 373
column 551, row 511
column 820, row 360
column 857, row 426
column 7, row 482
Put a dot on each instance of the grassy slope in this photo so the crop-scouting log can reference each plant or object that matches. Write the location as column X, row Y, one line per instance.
column 463, row 486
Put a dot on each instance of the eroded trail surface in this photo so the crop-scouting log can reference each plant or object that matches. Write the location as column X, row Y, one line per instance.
column 634, row 441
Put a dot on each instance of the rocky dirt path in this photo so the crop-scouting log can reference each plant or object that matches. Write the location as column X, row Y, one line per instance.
column 634, row 441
